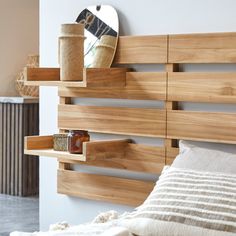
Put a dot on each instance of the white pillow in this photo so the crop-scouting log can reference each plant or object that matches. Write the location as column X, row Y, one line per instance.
column 187, row 202
column 204, row 159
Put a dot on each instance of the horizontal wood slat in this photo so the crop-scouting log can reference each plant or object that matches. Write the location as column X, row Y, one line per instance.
column 145, row 158
column 136, row 157
column 117, row 120
column 202, row 48
column 202, row 126
column 103, row 188
column 202, row 87
column 139, row 85
column 141, row 49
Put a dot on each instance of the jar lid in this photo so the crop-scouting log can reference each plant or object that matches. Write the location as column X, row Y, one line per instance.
column 78, row 130
column 60, row 135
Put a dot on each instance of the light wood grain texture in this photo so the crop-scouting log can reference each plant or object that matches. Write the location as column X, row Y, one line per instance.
column 103, row 188
column 203, row 126
column 117, row 120
column 170, row 144
column 65, row 100
column 105, row 77
column 145, row 158
column 38, row 142
column 134, row 157
column 171, row 67
column 70, row 84
column 64, row 166
column 202, row 87
column 169, row 106
column 93, row 150
column 42, row 74
column 92, row 77
column 169, row 123
column 171, row 153
column 141, row 49
column 120, row 154
column 103, row 150
column 56, row 154
column 202, row 48
column 139, row 85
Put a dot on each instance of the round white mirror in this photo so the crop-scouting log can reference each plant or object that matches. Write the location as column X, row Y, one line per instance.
column 101, row 31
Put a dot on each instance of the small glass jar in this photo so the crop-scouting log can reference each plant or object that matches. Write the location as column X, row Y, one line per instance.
column 76, row 139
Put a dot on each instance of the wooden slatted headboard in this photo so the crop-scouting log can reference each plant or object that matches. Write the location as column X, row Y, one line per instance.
column 207, row 87
column 170, row 86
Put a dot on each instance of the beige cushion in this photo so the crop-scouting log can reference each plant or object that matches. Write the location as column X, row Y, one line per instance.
column 204, row 159
column 189, row 203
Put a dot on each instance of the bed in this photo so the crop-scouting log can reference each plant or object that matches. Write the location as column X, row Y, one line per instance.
column 196, row 195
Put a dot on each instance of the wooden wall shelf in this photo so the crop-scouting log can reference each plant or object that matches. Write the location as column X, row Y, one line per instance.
column 43, row 146
column 120, row 154
column 93, row 77
column 202, row 48
column 148, row 122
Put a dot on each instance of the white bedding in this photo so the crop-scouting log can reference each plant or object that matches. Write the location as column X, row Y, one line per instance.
column 101, row 229
column 187, row 203
column 105, row 224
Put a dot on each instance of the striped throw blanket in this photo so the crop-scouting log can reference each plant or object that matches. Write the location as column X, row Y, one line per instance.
column 188, row 203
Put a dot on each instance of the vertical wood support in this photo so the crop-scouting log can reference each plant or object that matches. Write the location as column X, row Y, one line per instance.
column 62, row 165
column 64, row 101
column 170, row 105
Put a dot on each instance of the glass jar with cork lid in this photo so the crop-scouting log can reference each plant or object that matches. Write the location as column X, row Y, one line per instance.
column 76, row 138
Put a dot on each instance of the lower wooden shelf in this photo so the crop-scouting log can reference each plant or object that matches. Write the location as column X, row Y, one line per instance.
column 56, row 154
column 70, row 84
column 43, row 146
column 118, row 154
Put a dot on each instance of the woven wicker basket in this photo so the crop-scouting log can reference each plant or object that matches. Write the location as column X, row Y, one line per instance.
column 25, row 90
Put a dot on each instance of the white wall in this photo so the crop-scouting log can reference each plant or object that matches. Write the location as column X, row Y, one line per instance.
column 136, row 17
column 19, row 27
